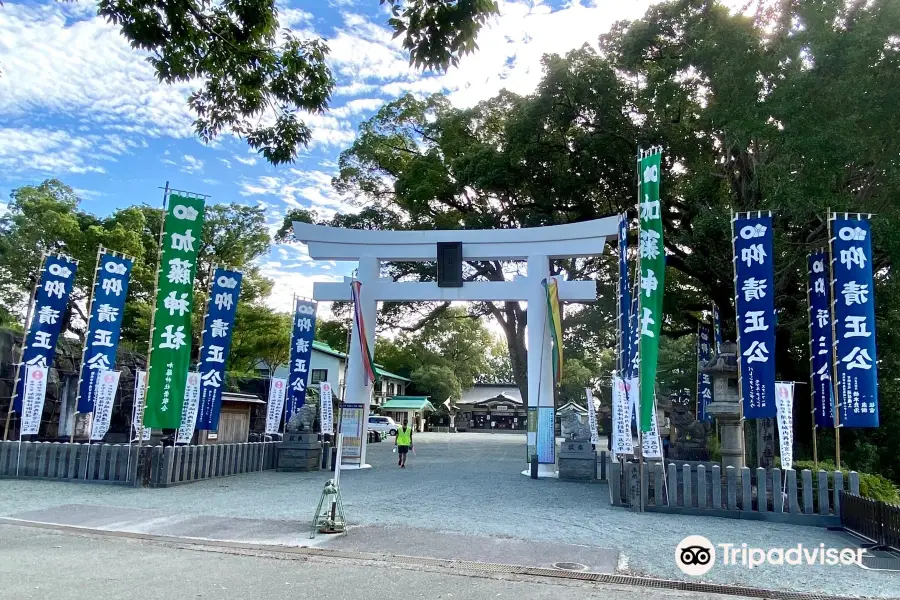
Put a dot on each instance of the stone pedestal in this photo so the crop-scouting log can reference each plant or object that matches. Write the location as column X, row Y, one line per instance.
column 577, row 461
column 299, row 452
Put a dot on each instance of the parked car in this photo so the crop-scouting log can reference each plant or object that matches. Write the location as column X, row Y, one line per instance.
column 383, row 424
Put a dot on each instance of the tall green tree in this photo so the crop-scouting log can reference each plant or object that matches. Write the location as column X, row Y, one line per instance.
column 250, row 67
column 47, row 218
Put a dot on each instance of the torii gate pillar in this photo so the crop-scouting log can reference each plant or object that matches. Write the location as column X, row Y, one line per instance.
column 540, row 365
column 355, row 389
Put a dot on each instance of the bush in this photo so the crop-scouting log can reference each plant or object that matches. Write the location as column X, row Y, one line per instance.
column 871, row 485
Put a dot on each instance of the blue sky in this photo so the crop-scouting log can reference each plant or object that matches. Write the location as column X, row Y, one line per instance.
column 77, row 103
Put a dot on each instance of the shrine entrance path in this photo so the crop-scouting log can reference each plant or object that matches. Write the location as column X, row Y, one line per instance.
column 466, row 484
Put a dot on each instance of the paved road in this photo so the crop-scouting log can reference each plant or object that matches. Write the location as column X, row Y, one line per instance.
column 36, row 565
column 470, row 484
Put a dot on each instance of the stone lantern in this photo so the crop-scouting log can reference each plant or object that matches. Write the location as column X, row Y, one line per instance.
column 726, row 404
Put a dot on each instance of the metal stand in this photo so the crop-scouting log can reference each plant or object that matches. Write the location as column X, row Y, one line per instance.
column 329, row 517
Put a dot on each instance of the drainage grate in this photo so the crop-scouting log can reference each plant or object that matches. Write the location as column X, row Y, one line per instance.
column 461, row 565
column 569, row 566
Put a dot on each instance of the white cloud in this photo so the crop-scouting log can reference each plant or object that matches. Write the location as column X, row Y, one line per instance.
column 50, row 151
column 355, row 107
column 191, row 164
column 302, row 189
column 509, row 55
column 289, row 282
column 226, row 162
column 244, row 160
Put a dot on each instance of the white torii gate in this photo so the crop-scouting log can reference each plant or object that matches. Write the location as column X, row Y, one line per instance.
column 536, row 245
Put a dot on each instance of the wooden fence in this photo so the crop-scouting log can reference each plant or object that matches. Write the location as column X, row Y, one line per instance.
column 874, row 520
column 157, row 466
column 707, row 489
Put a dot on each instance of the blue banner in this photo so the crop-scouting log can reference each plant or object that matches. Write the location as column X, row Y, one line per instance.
column 856, row 369
column 704, row 382
column 304, row 332
column 50, row 302
column 104, row 325
column 717, row 327
column 624, row 297
column 216, row 345
column 821, row 340
column 755, row 313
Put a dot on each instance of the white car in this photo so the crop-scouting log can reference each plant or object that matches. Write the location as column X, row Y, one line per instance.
column 383, row 424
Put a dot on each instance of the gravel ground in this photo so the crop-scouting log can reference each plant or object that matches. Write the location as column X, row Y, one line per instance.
column 472, row 484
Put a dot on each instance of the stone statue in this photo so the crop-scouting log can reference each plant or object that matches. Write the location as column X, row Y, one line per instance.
column 303, row 419
column 691, row 435
column 573, row 428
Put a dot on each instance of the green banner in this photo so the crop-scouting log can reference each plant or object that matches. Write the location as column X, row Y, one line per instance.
column 652, row 257
column 170, row 353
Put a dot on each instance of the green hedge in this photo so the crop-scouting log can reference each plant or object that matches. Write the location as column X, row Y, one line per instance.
column 870, row 485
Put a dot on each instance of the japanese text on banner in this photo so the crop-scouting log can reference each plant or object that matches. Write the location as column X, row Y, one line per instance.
column 754, row 287
column 50, row 302
column 592, row 417
column 35, row 384
column 652, row 261
column 104, row 398
column 189, row 409
column 704, row 381
column 625, row 338
column 104, row 326
column 171, row 336
column 622, row 441
column 821, row 340
column 856, row 367
column 304, row 331
column 137, row 410
column 275, row 405
column 216, row 345
column 326, row 408
column 784, row 401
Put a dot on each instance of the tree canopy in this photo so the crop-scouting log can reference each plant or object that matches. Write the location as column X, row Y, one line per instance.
column 788, row 110
column 258, row 79
column 47, row 218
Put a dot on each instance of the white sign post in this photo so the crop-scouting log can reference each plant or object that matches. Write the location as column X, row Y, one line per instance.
column 104, row 398
column 137, row 411
column 275, row 405
column 326, row 408
column 189, row 410
column 622, row 442
column 592, row 417
column 784, row 404
column 32, row 404
column 33, row 401
column 651, row 444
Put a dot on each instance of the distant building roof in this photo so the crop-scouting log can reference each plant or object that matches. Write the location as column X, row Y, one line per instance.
column 419, row 403
column 384, row 373
column 485, row 391
column 323, row 347
column 500, row 398
column 241, row 398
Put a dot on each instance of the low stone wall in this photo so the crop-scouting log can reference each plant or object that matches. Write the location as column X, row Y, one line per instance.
column 760, row 494
column 156, row 466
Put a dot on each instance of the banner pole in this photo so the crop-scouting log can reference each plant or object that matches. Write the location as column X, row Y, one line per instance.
column 737, row 323
column 162, row 231
column 836, row 405
column 84, row 347
column 28, row 315
column 812, row 381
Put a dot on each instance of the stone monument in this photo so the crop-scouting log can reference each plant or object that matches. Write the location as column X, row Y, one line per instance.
column 726, row 404
column 301, row 448
column 577, row 458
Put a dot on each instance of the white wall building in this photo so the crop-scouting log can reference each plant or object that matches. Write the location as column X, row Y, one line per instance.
column 328, row 364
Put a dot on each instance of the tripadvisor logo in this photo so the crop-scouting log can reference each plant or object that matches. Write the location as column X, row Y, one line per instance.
column 695, row 555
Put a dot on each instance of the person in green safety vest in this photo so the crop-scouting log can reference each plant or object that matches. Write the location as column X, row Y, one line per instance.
column 403, row 441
